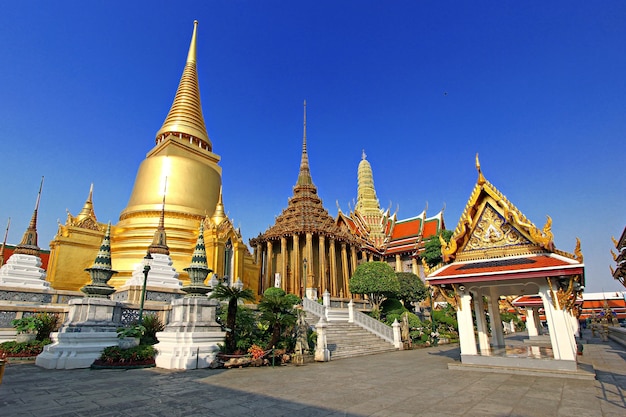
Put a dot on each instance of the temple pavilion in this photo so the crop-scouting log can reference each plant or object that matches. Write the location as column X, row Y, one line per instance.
column 496, row 251
column 619, row 273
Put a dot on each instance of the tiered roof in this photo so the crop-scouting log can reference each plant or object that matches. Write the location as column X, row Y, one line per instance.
column 305, row 211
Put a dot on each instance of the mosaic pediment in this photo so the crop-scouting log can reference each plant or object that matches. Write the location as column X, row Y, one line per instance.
column 493, row 231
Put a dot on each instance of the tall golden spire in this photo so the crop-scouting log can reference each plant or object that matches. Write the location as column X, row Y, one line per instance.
column 185, row 116
column 4, row 242
column 366, row 201
column 28, row 245
column 304, row 177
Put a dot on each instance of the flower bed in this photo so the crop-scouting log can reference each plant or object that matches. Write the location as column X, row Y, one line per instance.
column 113, row 357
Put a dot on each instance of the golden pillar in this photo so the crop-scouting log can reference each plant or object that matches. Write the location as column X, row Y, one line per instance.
column 414, row 266
column 353, row 259
column 322, row 270
column 284, row 262
column 398, row 263
column 344, row 269
column 268, row 269
column 297, row 274
column 309, row 255
column 333, row 268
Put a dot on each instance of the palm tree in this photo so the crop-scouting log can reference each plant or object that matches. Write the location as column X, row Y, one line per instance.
column 232, row 295
column 277, row 310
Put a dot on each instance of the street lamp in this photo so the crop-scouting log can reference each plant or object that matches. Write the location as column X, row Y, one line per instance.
column 304, row 278
column 147, row 260
column 433, row 326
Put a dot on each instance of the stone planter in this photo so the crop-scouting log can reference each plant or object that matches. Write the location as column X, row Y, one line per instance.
column 25, row 337
column 127, row 342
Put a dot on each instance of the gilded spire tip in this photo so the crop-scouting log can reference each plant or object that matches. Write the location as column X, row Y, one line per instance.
column 481, row 177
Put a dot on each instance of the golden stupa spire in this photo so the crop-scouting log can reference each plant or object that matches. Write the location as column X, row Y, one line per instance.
column 304, row 177
column 87, row 211
column 159, row 242
column 219, row 214
column 28, row 245
column 366, row 201
column 4, row 242
column 185, row 118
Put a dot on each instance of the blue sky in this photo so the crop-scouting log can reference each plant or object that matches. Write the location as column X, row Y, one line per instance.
column 536, row 88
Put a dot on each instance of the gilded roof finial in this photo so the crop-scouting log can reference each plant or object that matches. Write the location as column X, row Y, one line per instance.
column 615, row 242
column 219, row 214
column 159, row 242
column 481, row 178
column 185, row 116
column 578, row 252
column 87, row 211
column 4, row 242
column 28, row 245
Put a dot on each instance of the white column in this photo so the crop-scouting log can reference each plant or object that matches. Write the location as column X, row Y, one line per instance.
column 481, row 323
column 466, row 326
column 497, row 333
column 531, row 324
column 560, row 327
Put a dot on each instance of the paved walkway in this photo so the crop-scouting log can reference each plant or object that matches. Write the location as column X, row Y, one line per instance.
column 407, row 383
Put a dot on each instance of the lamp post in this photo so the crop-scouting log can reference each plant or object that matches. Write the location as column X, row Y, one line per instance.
column 304, row 278
column 433, row 326
column 146, row 268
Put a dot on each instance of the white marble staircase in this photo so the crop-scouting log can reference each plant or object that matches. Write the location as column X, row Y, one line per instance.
column 349, row 339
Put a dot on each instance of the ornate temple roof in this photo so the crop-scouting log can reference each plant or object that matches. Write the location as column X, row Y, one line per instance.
column 86, row 218
column 185, row 116
column 494, row 240
column 305, row 212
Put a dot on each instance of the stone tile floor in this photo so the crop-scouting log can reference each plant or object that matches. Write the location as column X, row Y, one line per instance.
column 406, row 383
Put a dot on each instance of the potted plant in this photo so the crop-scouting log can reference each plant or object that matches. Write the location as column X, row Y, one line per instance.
column 26, row 328
column 130, row 336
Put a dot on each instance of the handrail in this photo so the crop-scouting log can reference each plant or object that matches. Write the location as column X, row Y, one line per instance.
column 313, row 307
column 374, row 326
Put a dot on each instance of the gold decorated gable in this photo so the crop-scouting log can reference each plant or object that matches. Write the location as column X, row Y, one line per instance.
column 491, row 226
column 492, row 231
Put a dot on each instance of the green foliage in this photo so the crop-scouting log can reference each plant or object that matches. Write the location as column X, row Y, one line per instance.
column 432, row 248
column 249, row 330
column 41, row 323
column 47, row 323
column 412, row 288
column 113, row 354
column 32, row 348
column 26, row 324
column 152, row 324
column 133, row 330
column 391, row 306
column 507, row 317
column 274, row 291
column 277, row 311
column 232, row 295
column 377, row 280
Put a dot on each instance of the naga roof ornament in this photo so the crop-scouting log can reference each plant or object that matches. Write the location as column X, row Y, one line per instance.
column 185, row 117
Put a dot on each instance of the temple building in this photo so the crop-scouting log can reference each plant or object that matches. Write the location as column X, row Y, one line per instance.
column 181, row 169
column 382, row 235
column 306, row 251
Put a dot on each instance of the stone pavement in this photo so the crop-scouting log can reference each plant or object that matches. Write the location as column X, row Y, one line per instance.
column 405, row 383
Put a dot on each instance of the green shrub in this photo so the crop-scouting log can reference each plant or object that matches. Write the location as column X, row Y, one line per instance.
column 392, row 306
column 32, row 348
column 152, row 324
column 47, row 323
column 113, row 354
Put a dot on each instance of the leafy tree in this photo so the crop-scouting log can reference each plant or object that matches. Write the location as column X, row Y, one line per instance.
column 277, row 310
column 412, row 288
column 377, row 280
column 232, row 295
column 249, row 330
column 432, row 248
